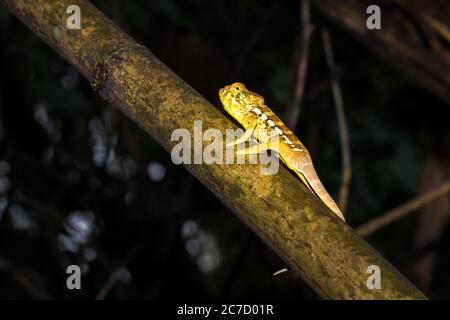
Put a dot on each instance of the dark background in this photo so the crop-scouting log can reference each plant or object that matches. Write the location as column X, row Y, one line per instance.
column 81, row 184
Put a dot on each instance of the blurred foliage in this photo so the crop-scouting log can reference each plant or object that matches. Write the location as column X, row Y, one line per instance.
column 81, row 184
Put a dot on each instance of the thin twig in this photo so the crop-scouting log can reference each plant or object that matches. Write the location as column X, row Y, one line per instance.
column 114, row 276
column 376, row 224
column 27, row 278
column 276, row 273
column 300, row 64
column 343, row 130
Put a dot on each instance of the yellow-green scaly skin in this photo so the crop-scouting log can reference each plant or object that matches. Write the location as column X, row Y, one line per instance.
column 248, row 108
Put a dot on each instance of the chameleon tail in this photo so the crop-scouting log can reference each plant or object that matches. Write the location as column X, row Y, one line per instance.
column 309, row 176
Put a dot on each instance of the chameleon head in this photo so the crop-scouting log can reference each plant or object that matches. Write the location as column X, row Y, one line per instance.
column 238, row 100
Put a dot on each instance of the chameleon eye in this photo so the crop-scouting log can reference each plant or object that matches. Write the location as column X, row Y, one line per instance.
column 237, row 88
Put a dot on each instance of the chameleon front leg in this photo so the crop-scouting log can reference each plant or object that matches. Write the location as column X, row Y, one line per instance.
column 271, row 144
column 246, row 136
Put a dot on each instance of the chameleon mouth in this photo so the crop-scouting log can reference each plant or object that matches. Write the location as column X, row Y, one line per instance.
column 223, row 95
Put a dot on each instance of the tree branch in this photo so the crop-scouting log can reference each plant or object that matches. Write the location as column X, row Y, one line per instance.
column 391, row 216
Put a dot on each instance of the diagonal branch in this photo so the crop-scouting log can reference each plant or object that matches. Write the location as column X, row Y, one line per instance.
column 396, row 214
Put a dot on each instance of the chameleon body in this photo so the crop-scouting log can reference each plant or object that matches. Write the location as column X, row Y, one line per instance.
column 249, row 110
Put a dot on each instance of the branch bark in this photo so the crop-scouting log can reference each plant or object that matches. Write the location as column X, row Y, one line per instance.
column 325, row 251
